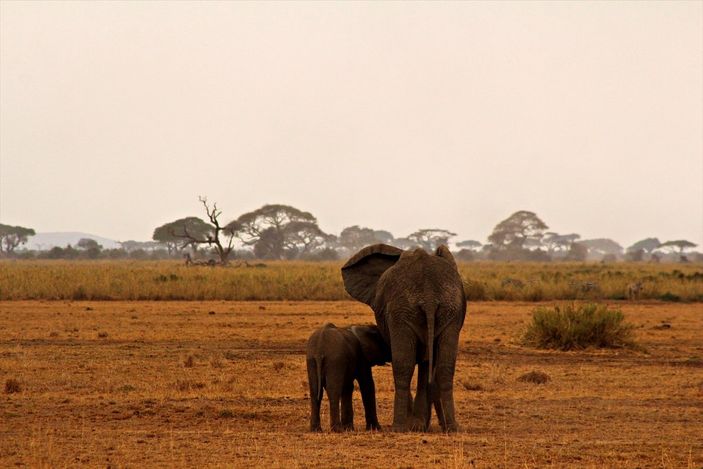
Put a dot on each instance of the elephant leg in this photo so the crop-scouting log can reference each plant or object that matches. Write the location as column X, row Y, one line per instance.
column 314, row 401
column 348, row 408
column 334, row 397
column 434, row 394
column 315, row 415
column 368, row 397
column 446, row 364
column 403, row 350
column 421, row 411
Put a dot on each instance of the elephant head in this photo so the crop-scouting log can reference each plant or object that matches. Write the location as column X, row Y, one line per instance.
column 419, row 304
column 364, row 269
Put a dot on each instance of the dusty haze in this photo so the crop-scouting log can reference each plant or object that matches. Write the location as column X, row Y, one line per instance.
column 116, row 116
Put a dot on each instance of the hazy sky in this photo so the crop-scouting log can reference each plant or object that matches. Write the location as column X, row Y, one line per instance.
column 116, row 116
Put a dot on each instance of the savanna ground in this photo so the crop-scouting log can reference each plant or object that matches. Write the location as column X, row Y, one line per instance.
column 223, row 384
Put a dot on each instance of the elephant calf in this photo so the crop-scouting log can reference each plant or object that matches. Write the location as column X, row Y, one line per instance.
column 335, row 358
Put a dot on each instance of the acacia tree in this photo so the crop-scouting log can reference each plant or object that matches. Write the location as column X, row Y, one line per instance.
column 648, row 245
column 602, row 246
column 277, row 231
column 383, row 236
column 681, row 244
column 403, row 243
column 556, row 242
column 220, row 238
column 517, row 230
column 173, row 234
column 430, row 238
column 355, row 237
column 90, row 247
column 132, row 245
column 469, row 244
column 88, row 243
column 577, row 252
column 13, row 236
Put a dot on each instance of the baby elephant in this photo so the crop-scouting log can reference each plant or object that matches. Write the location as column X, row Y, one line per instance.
column 335, row 358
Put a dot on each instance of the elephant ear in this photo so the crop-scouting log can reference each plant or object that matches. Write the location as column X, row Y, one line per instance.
column 374, row 349
column 362, row 271
column 443, row 252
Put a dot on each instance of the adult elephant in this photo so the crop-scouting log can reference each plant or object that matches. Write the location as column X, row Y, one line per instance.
column 419, row 304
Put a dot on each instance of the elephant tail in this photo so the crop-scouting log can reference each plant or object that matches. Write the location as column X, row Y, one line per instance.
column 318, row 364
column 430, row 313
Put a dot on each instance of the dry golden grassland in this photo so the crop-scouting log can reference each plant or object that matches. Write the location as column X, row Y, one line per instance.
column 295, row 281
column 223, row 384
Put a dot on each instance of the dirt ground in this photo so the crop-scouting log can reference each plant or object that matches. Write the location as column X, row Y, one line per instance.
column 223, row 384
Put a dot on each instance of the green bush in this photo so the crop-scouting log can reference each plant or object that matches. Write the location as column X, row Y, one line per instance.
column 574, row 326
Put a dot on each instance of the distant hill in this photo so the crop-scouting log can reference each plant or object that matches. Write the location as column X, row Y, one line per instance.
column 46, row 241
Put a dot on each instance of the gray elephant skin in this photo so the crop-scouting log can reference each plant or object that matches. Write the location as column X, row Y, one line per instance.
column 419, row 303
column 335, row 358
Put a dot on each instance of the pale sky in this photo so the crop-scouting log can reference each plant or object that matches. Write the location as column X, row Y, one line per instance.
column 114, row 117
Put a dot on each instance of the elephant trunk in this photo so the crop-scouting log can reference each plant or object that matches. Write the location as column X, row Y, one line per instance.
column 318, row 362
column 430, row 313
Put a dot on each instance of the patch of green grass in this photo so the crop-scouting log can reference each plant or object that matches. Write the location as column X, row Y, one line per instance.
column 573, row 326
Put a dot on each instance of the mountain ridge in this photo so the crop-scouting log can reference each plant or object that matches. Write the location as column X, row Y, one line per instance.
column 47, row 240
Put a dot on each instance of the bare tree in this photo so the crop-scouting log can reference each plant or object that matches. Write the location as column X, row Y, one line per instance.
column 215, row 237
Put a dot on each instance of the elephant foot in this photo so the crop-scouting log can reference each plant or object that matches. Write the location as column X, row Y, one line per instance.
column 451, row 428
column 417, row 425
column 374, row 427
column 398, row 428
column 315, row 428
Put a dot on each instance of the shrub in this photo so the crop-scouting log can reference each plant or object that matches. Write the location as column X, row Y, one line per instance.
column 578, row 326
column 12, row 386
column 471, row 385
column 278, row 366
column 534, row 377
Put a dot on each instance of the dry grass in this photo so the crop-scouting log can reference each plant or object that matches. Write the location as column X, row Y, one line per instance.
column 128, row 399
column 298, row 281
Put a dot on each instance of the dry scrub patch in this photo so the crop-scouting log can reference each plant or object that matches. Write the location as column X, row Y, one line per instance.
column 172, row 385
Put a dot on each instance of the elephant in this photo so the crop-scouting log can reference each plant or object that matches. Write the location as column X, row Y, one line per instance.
column 335, row 358
column 419, row 304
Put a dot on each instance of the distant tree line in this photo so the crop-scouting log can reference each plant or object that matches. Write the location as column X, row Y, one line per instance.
column 277, row 231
